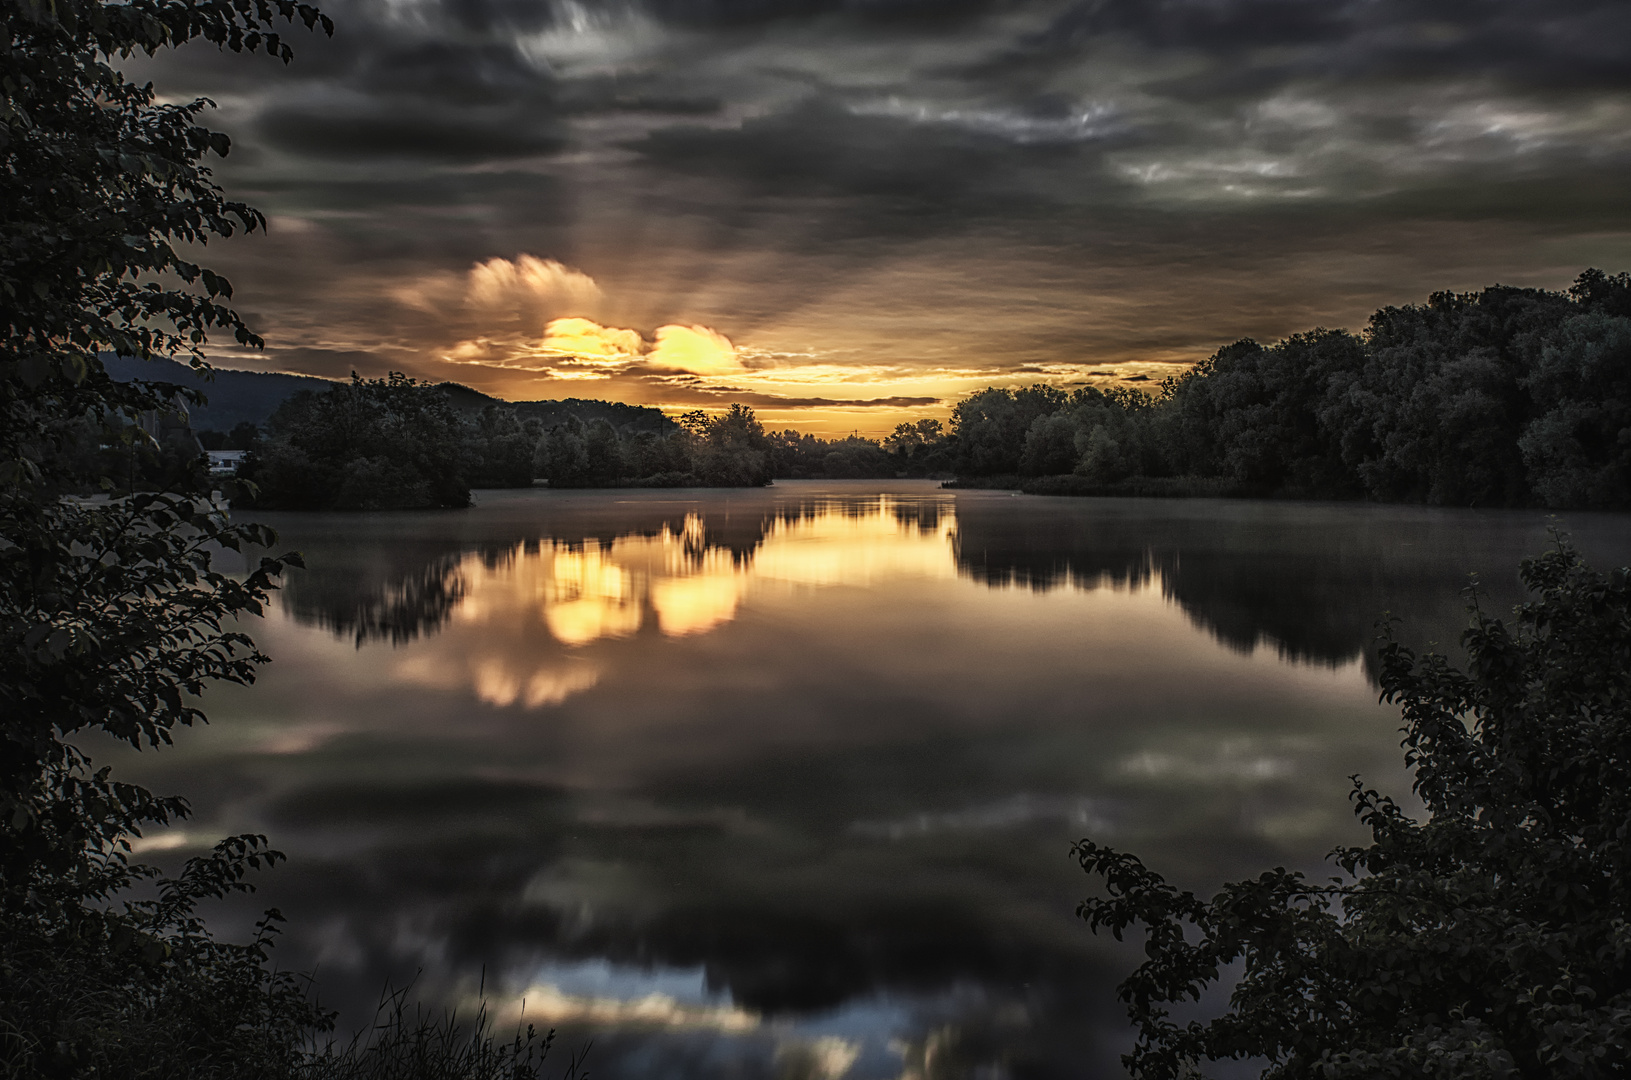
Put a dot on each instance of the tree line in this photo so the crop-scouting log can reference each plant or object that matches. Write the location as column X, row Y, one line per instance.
column 399, row 443
column 1503, row 397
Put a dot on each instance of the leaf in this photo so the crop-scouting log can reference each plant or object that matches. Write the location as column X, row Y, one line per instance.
column 33, row 369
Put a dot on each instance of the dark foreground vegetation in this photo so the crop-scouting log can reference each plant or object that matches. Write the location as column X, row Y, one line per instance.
column 1505, row 397
column 1489, row 939
column 112, row 620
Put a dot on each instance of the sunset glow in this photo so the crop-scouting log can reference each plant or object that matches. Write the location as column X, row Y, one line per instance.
column 846, row 220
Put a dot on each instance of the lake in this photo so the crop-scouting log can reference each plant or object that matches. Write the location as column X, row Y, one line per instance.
column 783, row 782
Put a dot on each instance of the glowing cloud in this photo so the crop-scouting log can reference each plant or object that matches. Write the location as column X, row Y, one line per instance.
column 694, row 349
column 529, row 286
column 826, row 1058
column 550, row 1005
column 520, row 293
column 590, row 342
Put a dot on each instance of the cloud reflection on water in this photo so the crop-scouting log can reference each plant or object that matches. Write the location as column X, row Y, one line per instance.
column 672, row 579
column 812, row 755
column 1307, row 582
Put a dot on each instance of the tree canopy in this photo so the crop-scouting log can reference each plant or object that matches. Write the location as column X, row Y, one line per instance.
column 1504, row 397
column 375, row 444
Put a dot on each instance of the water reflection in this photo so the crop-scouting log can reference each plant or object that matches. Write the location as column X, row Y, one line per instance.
column 502, row 602
column 687, row 571
column 1308, row 581
column 782, row 783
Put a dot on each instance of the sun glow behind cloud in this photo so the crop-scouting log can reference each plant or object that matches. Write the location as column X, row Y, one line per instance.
column 509, row 296
column 532, row 322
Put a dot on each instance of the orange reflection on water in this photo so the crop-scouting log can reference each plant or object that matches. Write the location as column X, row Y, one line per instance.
column 590, row 597
column 586, row 594
column 678, row 581
column 697, row 601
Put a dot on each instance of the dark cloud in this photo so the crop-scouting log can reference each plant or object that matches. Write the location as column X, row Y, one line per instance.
column 1555, row 42
column 483, row 73
column 1230, row 25
column 818, row 148
column 967, row 184
column 384, row 133
column 729, row 13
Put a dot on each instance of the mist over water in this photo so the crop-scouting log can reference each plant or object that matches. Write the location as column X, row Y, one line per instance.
column 783, row 782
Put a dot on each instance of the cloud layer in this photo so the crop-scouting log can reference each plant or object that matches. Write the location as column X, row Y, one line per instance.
column 913, row 198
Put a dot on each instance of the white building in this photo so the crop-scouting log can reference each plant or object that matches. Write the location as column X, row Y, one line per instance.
column 226, row 462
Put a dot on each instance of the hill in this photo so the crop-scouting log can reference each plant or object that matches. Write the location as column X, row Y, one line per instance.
column 236, row 397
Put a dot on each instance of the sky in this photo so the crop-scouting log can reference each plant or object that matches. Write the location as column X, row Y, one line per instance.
column 851, row 213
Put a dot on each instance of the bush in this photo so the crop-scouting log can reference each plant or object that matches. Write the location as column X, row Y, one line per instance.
column 1492, row 939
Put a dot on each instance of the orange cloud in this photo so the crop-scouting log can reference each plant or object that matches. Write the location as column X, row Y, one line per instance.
column 590, row 342
column 694, row 349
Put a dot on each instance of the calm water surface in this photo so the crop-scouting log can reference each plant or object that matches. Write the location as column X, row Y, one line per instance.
column 783, row 782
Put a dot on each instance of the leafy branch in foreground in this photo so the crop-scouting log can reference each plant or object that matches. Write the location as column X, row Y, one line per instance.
column 1492, row 939
column 113, row 618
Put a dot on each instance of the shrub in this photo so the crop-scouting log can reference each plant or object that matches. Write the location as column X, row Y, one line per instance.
column 1491, row 939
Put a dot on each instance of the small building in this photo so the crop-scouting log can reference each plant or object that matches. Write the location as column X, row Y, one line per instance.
column 226, row 462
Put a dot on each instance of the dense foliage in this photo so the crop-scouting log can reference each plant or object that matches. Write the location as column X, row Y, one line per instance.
column 1505, row 397
column 729, row 449
column 795, row 456
column 111, row 619
column 1492, row 939
column 372, row 444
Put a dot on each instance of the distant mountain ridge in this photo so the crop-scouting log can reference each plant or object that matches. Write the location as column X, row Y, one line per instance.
column 235, row 397
column 238, row 397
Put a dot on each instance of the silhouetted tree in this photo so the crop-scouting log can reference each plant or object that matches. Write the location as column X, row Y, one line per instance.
column 1487, row 939
column 732, row 450
column 1577, row 450
column 370, row 444
column 991, row 426
column 500, row 448
column 727, row 450
column 1498, row 398
column 922, row 448
column 112, row 618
